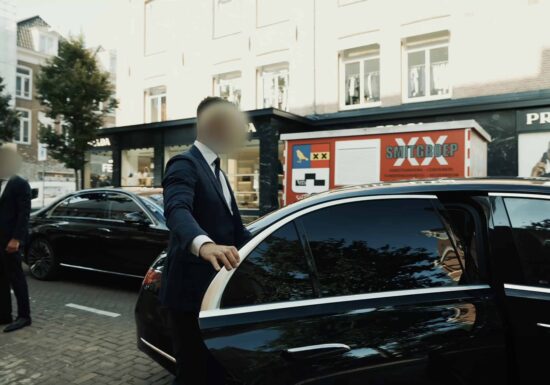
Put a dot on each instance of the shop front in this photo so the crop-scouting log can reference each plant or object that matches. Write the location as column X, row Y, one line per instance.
column 135, row 156
column 509, row 136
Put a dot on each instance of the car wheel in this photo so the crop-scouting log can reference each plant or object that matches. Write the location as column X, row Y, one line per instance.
column 41, row 259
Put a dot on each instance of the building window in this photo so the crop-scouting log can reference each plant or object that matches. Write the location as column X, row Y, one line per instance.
column 47, row 44
column 155, row 105
column 23, row 134
column 228, row 87
column 23, row 83
column 360, row 77
column 427, row 70
column 156, row 29
column 274, row 87
column 227, row 17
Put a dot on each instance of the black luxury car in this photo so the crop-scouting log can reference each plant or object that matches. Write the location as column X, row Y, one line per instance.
column 105, row 230
column 426, row 282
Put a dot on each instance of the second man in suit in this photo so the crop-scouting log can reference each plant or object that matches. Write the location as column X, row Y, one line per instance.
column 205, row 232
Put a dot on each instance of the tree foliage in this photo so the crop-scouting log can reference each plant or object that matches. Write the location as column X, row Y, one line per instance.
column 77, row 93
column 9, row 118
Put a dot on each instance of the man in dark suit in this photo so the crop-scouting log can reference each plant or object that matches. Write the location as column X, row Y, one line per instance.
column 15, row 207
column 205, row 231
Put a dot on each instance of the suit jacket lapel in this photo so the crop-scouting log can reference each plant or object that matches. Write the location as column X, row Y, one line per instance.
column 208, row 171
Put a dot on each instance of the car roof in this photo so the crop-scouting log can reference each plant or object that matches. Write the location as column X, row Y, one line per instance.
column 424, row 186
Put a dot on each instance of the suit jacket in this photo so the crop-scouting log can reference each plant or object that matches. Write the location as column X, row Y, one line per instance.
column 194, row 205
column 15, row 208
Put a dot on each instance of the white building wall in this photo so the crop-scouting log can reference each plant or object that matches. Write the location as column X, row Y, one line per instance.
column 8, row 46
column 495, row 47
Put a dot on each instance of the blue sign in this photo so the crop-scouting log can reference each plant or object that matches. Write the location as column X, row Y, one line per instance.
column 301, row 155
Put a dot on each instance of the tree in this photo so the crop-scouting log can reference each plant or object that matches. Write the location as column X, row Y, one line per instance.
column 9, row 118
column 77, row 93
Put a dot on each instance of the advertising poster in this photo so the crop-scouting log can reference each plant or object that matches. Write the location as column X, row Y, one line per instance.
column 421, row 155
column 310, row 168
column 534, row 154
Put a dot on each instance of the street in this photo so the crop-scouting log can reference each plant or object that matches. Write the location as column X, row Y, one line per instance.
column 83, row 332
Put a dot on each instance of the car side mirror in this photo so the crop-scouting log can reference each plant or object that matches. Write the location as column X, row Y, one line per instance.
column 34, row 193
column 137, row 218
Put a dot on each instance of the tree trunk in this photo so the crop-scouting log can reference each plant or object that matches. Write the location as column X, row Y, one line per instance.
column 76, row 184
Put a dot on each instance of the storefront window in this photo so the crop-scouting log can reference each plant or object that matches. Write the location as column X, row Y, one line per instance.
column 274, row 83
column 228, row 87
column 428, row 74
column 361, row 77
column 243, row 171
column 100, row 166
column 138, row 167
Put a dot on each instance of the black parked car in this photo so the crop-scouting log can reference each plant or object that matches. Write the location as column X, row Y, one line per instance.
column 428, row 282
column 106, row 230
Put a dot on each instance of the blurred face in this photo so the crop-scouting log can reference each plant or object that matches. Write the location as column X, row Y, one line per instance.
column 222, row 128
column 9, row 162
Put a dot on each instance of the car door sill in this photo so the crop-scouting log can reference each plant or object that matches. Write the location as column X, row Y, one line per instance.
column 157, row 350
column 100, row 271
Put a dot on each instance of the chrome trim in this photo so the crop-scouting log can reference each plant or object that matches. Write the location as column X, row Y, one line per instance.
column 330, row 300
column 543, row 325
column 212, row 297
column 154, row 348
column 100, row 271
column 319, row 347
column 519, row 195
column 536, row 289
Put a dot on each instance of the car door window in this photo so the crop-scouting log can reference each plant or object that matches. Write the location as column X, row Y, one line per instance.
column 530, row 219
column 118, row 205
column 275, row 271
column 382, row 245
column 89, row 205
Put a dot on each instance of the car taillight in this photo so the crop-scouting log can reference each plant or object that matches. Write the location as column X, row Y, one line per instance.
column 153, row 276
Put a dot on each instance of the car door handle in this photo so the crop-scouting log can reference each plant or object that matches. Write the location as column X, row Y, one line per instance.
column 316, row 351
column 104, row 230
column 543, row 325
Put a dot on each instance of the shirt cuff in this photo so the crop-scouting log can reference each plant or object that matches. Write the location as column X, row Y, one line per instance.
column 197, row 243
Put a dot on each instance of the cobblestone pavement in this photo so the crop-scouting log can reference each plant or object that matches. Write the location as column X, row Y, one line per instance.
column 66, row 345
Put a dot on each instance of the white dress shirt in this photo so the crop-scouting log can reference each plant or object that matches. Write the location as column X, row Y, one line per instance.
column 3, row 187
column 210, row 157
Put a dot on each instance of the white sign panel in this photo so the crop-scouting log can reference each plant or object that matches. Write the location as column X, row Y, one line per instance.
column 310, row 180
column 42, row 152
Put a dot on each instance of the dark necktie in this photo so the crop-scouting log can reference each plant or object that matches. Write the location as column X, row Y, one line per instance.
column 217, row 171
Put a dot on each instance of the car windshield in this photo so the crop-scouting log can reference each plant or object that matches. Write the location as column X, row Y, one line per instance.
column 154, row 206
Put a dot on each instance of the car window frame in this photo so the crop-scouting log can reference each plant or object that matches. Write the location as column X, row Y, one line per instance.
column 509, row 284
column 105, row 192
column 212, row 299
column 51, row 211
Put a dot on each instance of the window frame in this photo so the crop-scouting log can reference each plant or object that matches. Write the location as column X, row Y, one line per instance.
column 424, row 46
column 212, row 299
column 24, row 77
column 148, row 99
column 21, row 121
column 234, row 77
column 372, row 53
column 272, row 69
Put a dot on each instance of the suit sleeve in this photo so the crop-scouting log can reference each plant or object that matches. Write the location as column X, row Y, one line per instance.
column 23, row 203
column 179, row 194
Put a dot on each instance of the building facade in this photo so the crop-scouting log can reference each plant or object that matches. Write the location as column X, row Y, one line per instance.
column 329, row 64
column 8, row 39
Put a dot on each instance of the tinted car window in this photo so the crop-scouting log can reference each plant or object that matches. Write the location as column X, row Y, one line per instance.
column 119, row 205
column 530, row 220
column 384, row 245
column 275, row 271
column 89, row 205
